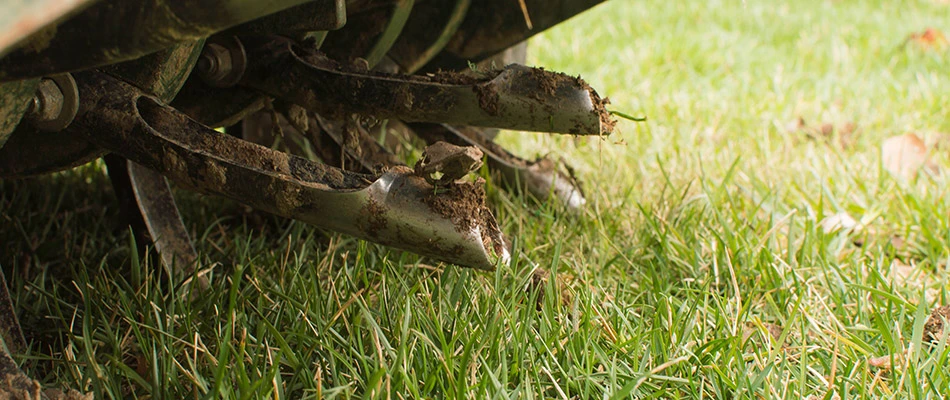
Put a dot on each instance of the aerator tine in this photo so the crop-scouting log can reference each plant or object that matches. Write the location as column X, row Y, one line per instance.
column 398, row 208
column 517, row 97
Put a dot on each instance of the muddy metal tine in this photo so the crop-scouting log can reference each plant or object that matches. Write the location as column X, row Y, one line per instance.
column 146, row 199
column 541, row 177
column 397, row 208
column 516, row 97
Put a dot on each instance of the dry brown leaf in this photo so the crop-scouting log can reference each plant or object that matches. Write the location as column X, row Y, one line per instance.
column 904, row 155
column 842, row 135
column 930, row 38
column 883, row 362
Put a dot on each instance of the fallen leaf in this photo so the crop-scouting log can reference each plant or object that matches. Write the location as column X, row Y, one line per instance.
column 843, row 134
column 883, row 362
column 841, row 221
column 939, row 140
column 904, row 155
column 930, row 38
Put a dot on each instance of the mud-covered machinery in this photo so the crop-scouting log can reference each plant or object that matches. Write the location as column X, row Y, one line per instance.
column 341, row 86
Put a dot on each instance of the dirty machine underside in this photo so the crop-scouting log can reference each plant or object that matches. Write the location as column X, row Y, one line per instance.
column 317, row 101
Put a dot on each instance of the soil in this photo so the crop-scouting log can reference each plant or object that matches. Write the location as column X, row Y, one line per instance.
column 461, row 202
column 934, row 327
column 548, row 83
column 464, row 204
column 243, row 153
column 487, row 98
column 375, row 216
column 452, row 161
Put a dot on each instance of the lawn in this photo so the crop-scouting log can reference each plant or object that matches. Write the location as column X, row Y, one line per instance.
column 701, row 267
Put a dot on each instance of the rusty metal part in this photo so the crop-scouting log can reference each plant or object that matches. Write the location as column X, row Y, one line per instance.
column 113, row 31
column 15, row 100
column 54, row 104
column 218, row 106
column 443, row 163
column 161, row 74
column 147, row 201
column 222, row 62
column 539, row 178
column 29, row 152
column 397, row 208
column 496, row 25
column 422, row 39
column 517, row 97
column 323, row 15
column 28, row 23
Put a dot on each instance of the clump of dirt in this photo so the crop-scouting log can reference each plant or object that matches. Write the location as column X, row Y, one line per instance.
column 600, row 108
column 464, row 204
column 487, row 98
column 547, row 82
column 461, row 202
column 452, row 161
column 457, row 78
column 562, row 281
column 934, row 327
column 375, row 217
column 15, row 385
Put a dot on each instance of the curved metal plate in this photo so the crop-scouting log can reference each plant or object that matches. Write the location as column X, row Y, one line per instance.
column 22, row 18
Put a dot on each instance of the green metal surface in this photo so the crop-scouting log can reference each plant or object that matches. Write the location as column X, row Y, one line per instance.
column 14, row 100
column 22, row 18
column 113, row 31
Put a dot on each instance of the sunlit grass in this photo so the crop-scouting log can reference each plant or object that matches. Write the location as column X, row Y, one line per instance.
column 699, row 269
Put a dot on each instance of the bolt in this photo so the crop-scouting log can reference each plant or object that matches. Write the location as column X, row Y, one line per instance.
column 214, row 64
column 221, row 65
column 47, row 104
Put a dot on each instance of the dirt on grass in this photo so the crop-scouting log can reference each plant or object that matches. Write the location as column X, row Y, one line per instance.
column 935, row 325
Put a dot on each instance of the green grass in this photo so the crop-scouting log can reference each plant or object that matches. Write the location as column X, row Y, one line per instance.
column 701, row 233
